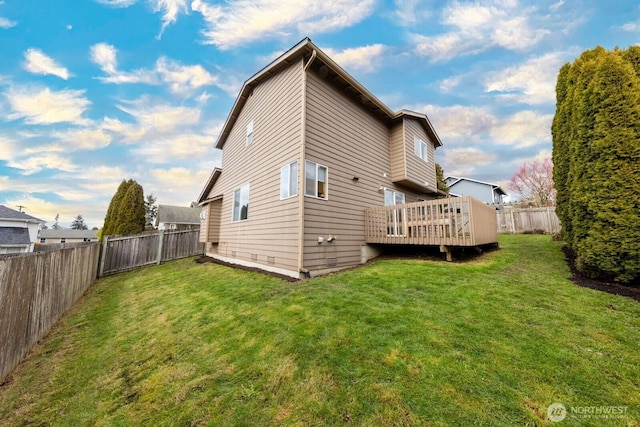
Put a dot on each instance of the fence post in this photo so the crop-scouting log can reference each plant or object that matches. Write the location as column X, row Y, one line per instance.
column 551, row 231
column 103, row 255
column 513, row 222
column 160, row 245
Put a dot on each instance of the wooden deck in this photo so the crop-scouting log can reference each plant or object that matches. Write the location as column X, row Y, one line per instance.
column 452, row 222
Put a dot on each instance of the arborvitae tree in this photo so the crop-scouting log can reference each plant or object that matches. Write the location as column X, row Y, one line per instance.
column 78, row 223
column 110, row 220
column 442, row 186
column 560, row 131
column 611, row 244
column 596, row 143
column 131, row 218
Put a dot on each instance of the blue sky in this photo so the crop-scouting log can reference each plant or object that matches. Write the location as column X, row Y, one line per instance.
column 96, row 91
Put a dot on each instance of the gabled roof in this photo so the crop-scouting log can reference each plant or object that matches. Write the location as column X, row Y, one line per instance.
column 10, row 214
column 215, row 174
column 318, row 60
column 457, row 179
column 14, row 236
column 178, row 215
column 67, row 233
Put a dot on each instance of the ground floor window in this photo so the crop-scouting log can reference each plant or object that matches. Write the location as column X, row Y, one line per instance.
column 241, row 203
column 316, row 180
column 289, row 180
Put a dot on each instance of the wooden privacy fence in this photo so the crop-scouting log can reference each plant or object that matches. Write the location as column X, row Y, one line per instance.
column 35, row 291
column 526, row 220
column 126, row 253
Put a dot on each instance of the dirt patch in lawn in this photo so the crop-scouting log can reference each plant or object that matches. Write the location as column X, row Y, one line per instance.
column 632, row 291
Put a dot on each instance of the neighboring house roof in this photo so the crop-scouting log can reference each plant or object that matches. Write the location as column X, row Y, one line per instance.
column 14, row 236
column 338, row 75
column 178, row 215
column 67, row 233
column 10, row 214
column 455, row 179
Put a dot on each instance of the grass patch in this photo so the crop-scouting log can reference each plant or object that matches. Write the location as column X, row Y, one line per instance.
column 492, row 341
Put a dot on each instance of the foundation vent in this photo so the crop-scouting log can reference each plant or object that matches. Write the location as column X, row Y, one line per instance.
column 271, row 260
column 254, row 257
column 233, row 254
column 332, row 262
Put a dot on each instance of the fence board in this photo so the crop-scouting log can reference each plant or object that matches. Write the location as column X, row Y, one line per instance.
column 130, row 252
column 35, row 291
column 525, row 220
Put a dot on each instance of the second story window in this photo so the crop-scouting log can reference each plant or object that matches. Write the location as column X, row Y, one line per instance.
column 289, row 180
column 420, row 148
column 249, row 133
column 241, row 204
column 316, row 180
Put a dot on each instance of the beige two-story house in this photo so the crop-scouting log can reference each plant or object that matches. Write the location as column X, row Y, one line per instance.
column 306, row 149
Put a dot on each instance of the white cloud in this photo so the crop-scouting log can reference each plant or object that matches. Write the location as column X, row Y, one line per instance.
column 183, row 78
column 83, row 139
column 532, row 82
column 38, row 63
column 410, row 12
column 523, row 129
column 447, row 85
column 239, row 22
column 168, row 148
column 6, row 23
column 467, row 126
column 104, row 55
column 178, row 185
column 363, row 58
column 170, row 10
column 180, row 79
column 160, row 117
column 37, row 163
column 46, row 106
column 478, row 27
column 458, row 123
column 466, row 159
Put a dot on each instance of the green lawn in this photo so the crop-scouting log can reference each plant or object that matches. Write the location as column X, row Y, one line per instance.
column 490, row 341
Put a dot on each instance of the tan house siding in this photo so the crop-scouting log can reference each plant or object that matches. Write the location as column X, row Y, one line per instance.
column 270, row 234
column 397, row 153
column 418, row 171
column 210, row 226
column 351, row 142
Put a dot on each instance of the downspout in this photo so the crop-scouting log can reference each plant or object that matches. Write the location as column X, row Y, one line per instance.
column 301, row 169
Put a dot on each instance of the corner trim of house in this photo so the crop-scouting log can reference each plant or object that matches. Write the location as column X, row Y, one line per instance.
column 244, row 263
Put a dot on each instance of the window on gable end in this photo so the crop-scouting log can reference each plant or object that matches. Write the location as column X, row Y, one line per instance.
column 249, row 133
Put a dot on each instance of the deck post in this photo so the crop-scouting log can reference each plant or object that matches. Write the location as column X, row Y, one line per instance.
column 447, row 250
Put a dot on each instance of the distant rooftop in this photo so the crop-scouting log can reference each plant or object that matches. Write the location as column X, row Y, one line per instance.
column 178, row 215
column 8, row 213
column 14, row 236
column 67, row 233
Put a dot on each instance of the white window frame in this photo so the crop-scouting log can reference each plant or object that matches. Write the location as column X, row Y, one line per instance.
column 249, row 137
column 316, row 167
column 289, row 188
column 238, row 193
column 420, row 148
column 395, row 196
